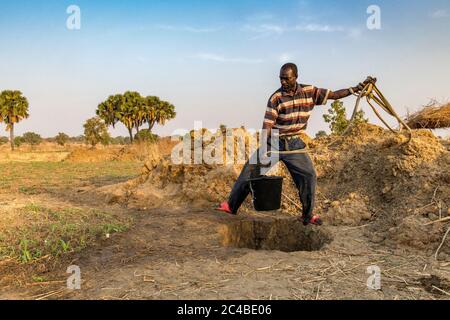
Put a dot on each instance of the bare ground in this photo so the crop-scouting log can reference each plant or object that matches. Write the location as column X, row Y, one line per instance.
column 174, row 253
column 178, row 254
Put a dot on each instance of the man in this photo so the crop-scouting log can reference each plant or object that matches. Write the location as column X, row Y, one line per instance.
column 288, row 111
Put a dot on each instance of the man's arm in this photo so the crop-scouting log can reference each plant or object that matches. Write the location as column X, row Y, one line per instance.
column 271, row 114
column 344, row 93
column 268, row 128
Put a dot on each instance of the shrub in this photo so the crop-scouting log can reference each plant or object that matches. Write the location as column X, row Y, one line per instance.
column 31, row 138
column 337, row 118
column 320, row 134
column 146, row 135
column 18, row 141
column 61, row 138
column 96, row 131
column 120, row 140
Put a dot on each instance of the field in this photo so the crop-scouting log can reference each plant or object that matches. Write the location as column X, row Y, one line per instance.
column 139, row 228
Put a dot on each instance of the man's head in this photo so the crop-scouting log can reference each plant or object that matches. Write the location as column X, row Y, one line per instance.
column 288, row 77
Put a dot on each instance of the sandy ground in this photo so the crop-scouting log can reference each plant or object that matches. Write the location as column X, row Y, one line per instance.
column 175, row 253
column 178, row 254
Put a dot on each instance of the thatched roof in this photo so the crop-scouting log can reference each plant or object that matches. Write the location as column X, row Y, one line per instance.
column 430, row 118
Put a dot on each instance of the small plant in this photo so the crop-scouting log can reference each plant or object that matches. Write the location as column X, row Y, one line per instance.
column 337, row 118
column 29, row 190
column 65, row 246
column 25, row 255
column 3, row 140
column 113, row 228
column 38, row 279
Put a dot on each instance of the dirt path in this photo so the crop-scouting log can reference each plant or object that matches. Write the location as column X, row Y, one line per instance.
column 175, row 254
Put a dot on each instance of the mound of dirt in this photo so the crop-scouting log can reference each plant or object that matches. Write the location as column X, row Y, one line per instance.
column 370, row 177
column 134, row 152
column 91, row 155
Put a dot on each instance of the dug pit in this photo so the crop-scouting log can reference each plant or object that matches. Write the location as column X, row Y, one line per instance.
column 282, row 234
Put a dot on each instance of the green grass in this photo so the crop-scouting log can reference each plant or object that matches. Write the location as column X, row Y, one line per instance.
column 46, row 231
column 32, row 178
column 42, row 229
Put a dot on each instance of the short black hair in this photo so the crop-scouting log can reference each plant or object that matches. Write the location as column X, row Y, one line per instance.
column 291, row 66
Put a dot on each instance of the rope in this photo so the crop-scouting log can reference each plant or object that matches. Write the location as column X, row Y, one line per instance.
column 372, row 93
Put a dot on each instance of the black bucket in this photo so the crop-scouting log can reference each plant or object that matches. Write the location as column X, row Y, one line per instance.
column 266, row 192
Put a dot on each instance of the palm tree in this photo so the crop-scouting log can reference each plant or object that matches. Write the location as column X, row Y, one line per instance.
column 158, row 111
column 135, row 101
column 152, row 104
column 13, row 109
column 109, row 110
column 127, row 116
column 165, row 112
column 119, row 108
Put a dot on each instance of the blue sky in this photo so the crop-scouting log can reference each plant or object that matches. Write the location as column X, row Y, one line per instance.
column 216, row 61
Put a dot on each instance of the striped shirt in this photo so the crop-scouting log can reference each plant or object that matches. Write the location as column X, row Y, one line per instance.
column 289, row 112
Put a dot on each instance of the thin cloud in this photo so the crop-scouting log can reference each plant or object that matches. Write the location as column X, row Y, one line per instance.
column 190, row 29
column 260, row 16
column 439, row 14
column 222, row 59
column 285, row 57
column 318, row 28
column 354, row 33
column 266, row 30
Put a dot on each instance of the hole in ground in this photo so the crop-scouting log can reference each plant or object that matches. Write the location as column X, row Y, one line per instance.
column 283, row 234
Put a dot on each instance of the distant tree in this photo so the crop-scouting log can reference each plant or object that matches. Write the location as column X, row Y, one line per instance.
column 31, row 138
column 96, row 131
column 120, row 140
column 18, row 141
column 3, row 140
column 77, row 139
column 223, row 129
column 13, row 109
column 146, row 135
column 337, row 118
column 320, row 134
column 61, row 138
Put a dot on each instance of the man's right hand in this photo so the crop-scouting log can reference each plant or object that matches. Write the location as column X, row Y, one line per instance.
column 362, row 85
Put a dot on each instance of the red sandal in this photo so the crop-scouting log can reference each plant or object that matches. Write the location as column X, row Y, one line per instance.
column 224, row 207
column 314, row 220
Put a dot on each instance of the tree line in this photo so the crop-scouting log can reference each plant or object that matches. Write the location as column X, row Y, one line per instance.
column 131, row 109
column 34, row 139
